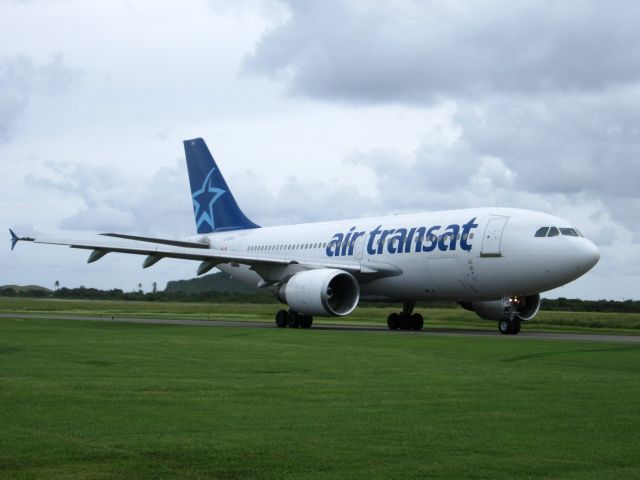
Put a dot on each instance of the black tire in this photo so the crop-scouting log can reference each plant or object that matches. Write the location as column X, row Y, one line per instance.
column 282, row 319
column 306, row 321
column 393, row 321
column 294, row 319
column 516, row 327
column 505, row 327
column 405, row 321
column 417, row 322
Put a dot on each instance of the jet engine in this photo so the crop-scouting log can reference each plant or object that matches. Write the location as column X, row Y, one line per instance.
column 324, row 292
column 508, row 308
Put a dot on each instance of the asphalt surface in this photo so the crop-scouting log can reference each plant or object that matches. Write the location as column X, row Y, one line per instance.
column 523, row 335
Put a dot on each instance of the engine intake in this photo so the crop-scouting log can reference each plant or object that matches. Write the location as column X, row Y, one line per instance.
column 517, row 307
column 323, row 292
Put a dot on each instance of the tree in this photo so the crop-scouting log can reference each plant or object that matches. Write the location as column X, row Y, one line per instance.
column 57, row 284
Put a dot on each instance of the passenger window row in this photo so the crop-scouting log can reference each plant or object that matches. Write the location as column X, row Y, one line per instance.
column 301, row 246
column 308, row 246
column 554, row 232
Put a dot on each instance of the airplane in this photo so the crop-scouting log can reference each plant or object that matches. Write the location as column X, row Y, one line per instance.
column 492, row 261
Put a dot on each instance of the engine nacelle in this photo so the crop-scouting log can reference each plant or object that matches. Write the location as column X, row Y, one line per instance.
column 324, row 292
column 508, row 308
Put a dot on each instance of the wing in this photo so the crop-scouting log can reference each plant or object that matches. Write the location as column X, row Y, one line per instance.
column 272, row 269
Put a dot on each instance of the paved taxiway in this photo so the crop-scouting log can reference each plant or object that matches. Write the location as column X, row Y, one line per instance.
column 524, row 335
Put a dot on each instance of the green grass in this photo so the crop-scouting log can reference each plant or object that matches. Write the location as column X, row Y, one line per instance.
column 434, row 317
column 100, row 401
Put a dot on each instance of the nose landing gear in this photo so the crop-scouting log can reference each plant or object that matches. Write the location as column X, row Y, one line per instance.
column 509, row 327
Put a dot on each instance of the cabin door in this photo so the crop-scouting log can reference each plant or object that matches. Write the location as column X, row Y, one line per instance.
column 493, row 237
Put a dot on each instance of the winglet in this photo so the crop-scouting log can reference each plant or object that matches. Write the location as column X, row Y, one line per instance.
column 14, row 239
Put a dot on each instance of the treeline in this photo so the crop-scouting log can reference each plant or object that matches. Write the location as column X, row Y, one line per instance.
column 83, row 293
column 577, row 305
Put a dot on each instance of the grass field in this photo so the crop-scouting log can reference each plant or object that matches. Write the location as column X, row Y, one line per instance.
column 101, row 401
column 434, row 317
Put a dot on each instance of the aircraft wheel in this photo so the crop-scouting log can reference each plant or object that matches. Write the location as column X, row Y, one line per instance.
column 393, row 321
column 294, row 319
column 505, row 327
column 306, row 321
column 417, row 322
column 282, row 318
column 516, row 327
column 405, row 321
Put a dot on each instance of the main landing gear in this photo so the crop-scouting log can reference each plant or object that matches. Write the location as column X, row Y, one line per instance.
column 509, row 327
column 406, row 320
column 293, row 319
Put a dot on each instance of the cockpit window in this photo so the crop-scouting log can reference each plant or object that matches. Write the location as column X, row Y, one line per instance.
column 542, row 232
column 569, row 232
column 554, row 232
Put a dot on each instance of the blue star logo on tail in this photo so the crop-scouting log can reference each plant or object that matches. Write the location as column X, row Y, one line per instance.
column 204, row 199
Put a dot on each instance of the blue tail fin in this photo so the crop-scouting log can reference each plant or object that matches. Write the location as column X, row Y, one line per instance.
column 214, row 207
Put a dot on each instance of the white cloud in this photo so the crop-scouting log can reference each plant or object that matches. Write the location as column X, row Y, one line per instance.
column 21, row 79
column 111, row 201
column 420, row 51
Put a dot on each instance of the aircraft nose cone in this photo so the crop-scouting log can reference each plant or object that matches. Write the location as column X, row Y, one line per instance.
column 588, row 255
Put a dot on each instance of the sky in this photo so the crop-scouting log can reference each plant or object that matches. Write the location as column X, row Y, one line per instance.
column 314, row 111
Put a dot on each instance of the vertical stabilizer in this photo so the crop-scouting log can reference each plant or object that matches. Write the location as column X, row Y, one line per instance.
column 214, row 207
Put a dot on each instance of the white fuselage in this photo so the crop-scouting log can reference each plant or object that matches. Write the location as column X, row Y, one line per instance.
column 463, row 255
